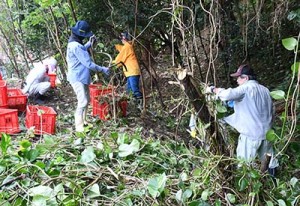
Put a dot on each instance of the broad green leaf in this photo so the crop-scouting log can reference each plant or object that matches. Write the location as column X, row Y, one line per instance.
column 88, row 155
column 243, row 184
column 93, row 191
column 178, row 195
column 281, row 202
column 278, row 94
column 205, row 195
column 289, row 43
column 295, row 67
column 49, row 140
column 157, row 185
column 271, row 135
column 269, row 203
column 294, row 181
column 125, row 149
column 32, row 154
column 39, row 200
column 231, row 197
column 220, row 107
column 44, row 191
column 183, row 176
column 187, row 194
column 25, row 143
column 5, row 143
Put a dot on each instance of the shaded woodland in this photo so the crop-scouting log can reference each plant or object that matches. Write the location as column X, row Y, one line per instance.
column 182, row 46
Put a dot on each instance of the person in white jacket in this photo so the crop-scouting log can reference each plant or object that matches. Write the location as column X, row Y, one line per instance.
column 37, row 82
column 252, row 117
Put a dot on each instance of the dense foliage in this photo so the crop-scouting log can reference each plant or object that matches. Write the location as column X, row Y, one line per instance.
column 107, row 167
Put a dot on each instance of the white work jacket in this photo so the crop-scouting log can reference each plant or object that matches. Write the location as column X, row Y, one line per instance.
column 253, row 109
column 35, row 76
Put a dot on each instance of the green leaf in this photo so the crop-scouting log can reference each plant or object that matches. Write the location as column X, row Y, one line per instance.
column 5, row 143
column 157, row 185
column 205, row 195
column 294, row 181
column 88, row 155
column 281, row 203
column 25, row 143
column 271, row 136
column 220, row 107
column 243, row 184
column 187, row 194
column 289, row 43
column 125, row 149
column 178, row 195
column 93, row 191
column 295, row 67
column 39, row 200
column 278, row 94
column 269, row 203
column 231, row 197
column 41, row 191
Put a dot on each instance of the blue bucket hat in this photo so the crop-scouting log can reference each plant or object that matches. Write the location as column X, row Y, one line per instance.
column 83, row 29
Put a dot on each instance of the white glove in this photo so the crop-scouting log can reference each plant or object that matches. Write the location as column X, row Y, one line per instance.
column 92, row 39
column 209, row 90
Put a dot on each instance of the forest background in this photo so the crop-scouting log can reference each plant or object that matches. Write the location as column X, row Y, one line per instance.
column 181, row 45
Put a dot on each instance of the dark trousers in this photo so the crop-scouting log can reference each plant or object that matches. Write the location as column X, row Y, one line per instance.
column 133, row 86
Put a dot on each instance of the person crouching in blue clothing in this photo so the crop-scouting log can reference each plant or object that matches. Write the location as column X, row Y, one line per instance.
column 79, row 66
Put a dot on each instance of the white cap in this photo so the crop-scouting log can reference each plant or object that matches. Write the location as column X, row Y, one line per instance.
column 51, row 62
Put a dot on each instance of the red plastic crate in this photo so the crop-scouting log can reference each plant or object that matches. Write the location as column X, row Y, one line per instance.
column 104, row 110
column 9, row 122
column 45, row 123
column 98, row 90
column 16, row 99
column 3, row 94
column 52, row 77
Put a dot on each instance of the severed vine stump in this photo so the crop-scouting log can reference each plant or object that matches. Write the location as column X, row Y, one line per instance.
column 198, row 100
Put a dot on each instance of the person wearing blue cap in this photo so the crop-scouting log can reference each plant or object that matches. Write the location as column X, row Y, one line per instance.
column 252, row 117
column 79, row 66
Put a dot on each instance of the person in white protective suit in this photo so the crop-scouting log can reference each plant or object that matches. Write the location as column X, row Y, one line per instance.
column 38, row 82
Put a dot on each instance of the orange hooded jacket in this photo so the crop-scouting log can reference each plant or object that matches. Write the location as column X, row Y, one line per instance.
column 127, row 56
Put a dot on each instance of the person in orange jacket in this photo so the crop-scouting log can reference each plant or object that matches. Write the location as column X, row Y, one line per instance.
column 131, row 69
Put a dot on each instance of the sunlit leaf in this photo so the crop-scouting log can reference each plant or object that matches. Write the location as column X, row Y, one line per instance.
column 294, row 181
column 205, row 195
column 231, row 197
column 25, row 143
column 44, row 191
column 295, row 67
column 39, row 200
column 271, row 136
column 126, row 149
column 88, row 155
column 278, row 94
column 269, row 203
column 178, row 195
column 94, row 191
column 5, row 143
column 290, row 43
column 157, row 185
column 281, row 202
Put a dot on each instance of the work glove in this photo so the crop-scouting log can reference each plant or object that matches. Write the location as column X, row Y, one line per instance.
column 209, row 89
column 105, row 70
column 93, row 39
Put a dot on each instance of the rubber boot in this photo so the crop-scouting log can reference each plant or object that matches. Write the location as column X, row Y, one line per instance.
column 85, row 122
column 79, row 123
